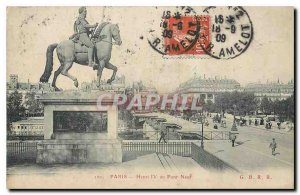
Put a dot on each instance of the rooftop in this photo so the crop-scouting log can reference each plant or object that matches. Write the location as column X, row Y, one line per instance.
column 202, row 82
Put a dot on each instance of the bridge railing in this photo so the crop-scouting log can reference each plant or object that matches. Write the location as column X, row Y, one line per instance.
column 180, row 135
column 25, row 151
column 216, row 135
column 179, row 148
column 21, row 151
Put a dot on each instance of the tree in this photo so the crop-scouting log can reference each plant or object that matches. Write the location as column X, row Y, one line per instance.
column 244, row 102
column 291, row 108
column 32, row 104
column 209, row 106
column 223, row 102
column 266, row 105
column 285, row 109
column 15, row 109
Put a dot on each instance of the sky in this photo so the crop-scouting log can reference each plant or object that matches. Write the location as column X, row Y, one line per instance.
column 31, row 29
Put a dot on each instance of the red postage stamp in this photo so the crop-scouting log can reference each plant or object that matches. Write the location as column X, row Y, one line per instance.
column 182, row 32
column 184, row 36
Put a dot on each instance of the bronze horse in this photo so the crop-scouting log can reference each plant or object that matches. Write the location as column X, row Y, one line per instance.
column 69, row 52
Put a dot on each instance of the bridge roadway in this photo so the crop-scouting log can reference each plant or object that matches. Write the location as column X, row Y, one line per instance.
column 252, row 150
column 257, row 139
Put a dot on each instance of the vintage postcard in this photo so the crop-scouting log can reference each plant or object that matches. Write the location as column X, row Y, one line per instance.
column 177, row 97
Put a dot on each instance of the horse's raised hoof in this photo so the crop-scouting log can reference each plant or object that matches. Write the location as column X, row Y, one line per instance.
column 76, row 83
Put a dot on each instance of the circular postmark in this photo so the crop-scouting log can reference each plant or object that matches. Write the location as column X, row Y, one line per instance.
column 177, row 33
column 231, row 32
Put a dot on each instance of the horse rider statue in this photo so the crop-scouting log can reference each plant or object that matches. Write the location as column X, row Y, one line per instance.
column 79, row 48
column 82, row 29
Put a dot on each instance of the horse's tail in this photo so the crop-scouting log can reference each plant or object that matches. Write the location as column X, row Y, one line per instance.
column 49, row 63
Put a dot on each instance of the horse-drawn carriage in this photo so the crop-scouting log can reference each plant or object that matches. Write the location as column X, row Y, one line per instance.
column 241, row 122
column 216, row 119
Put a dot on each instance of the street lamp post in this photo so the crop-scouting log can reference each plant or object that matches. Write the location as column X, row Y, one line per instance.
column 233, row 132
column 202, row 121
column 234, row 112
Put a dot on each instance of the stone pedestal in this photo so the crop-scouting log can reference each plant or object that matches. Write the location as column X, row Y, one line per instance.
column 79, row 146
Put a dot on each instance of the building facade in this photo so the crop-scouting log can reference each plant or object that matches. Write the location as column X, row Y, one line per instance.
column 272, row 90
column 24, row 87
column 33, row 126
column 207, row 88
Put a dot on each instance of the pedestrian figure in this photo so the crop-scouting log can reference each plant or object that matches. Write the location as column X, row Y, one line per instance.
column 162, row 136
column 278, row 124
column 223, row 123
column 232, row 138
column 268, row 125
column 273, row 146
column 256, row 122
column 262, row 121
column 215, row 126
column 206, row 123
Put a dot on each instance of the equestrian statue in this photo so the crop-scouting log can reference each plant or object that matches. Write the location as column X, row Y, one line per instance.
column 90, row 45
